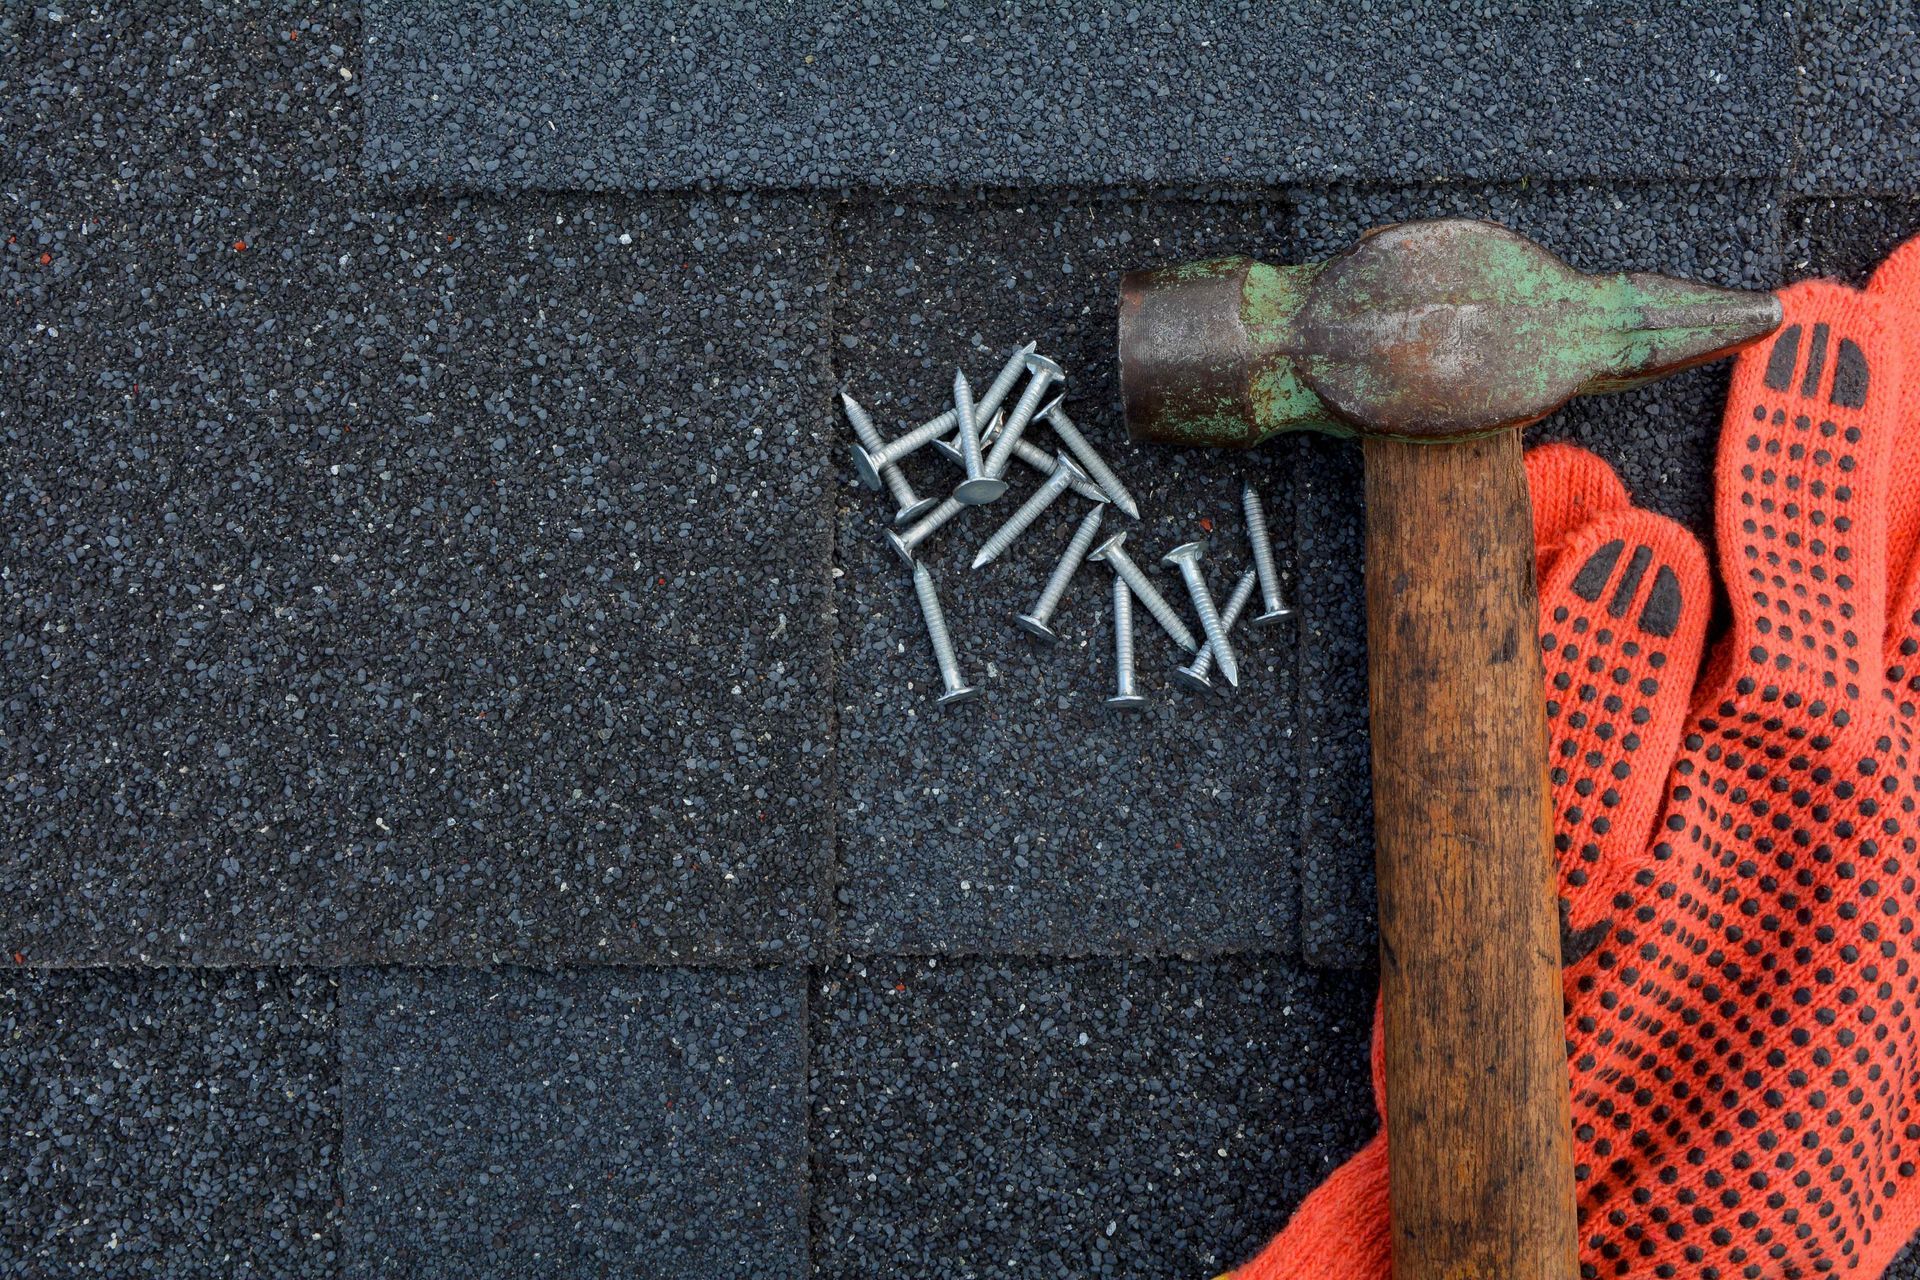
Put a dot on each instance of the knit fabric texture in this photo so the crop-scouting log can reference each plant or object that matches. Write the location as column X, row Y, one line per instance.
column 1735, row 845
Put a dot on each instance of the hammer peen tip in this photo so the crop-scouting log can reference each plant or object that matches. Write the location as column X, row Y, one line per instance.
column 1675, row 324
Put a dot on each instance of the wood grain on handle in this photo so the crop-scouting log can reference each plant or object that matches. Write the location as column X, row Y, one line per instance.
column 1477, row 1114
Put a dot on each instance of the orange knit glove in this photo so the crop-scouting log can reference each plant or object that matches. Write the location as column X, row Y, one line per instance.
column 1737, row 861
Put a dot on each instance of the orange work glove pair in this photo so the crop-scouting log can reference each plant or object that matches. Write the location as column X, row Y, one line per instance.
column 1736, row 846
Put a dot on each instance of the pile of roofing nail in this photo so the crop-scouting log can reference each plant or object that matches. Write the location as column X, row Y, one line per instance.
column 985, row 442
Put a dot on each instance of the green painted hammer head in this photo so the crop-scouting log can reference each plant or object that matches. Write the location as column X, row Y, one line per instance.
column 1424, row 330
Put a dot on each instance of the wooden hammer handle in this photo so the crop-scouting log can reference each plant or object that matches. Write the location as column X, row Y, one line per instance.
column 1478, row 1131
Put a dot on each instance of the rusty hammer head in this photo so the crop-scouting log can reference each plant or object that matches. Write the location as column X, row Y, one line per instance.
column 1424, row 330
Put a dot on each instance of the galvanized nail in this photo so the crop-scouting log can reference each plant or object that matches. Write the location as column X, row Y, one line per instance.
column 978, row 487
column 1089, row 459
column 1125, row 696
column 1186, row 557
column 1034, row 621
column 955, row 686
column 1018, row 523
column 1113, row 552
column 1275, row 605
column 1043, row 374
column 1194, row 674
column 909, row 505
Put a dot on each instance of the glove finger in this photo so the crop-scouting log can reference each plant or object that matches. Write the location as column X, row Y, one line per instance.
column 1569, row 487
column 1802, row 491
column 1897, row 284
column 1736, row 1060
column 1623, row 621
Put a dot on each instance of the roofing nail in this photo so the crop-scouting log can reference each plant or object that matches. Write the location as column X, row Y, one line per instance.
column 1029, row 511
column 978, row 487
column 1186, row 557
column 1113, row 553
column 910, row 506
column 1125, row 697
column 1194, row 674
column 1034, row 621
column 869, row 463
column 1089, row 459
column 929, row 432
column 1276, row 607
column 950, row 449
column 956, row 688
column 1003, row 382
column 1043, row 374
column 969, row 425
column 905, row 543
column 1037, row 458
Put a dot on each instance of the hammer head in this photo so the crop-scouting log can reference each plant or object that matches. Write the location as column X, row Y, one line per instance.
column 1424, row 330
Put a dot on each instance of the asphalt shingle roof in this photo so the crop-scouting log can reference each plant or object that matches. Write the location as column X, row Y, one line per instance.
column 426, row 539
column 502, row 97
column 1106, row 1117
column 586, row 1122
column 365, row 647
column 169, row 1122
column 1040, row 822
column 1859, row 110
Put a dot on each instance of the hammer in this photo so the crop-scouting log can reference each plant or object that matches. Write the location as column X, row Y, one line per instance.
column 1435, row 343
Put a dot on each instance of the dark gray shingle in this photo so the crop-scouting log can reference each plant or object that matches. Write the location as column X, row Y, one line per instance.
column 590, row 1122
column 1847, row 238
column 505, row 95
column 168, row 1123
column 442, row 581
column 1859, row 109
column 994, row 1118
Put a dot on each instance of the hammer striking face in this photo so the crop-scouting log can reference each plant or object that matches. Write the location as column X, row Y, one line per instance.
column 1435, row 342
